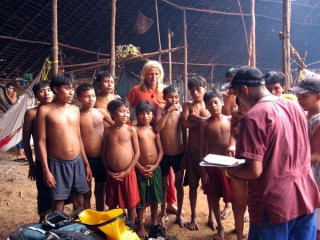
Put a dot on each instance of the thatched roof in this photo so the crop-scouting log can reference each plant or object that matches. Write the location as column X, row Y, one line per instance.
column 212, row 38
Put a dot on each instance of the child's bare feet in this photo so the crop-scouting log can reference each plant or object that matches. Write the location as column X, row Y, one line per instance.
column 142, row 232
column 226, row 212
column 181, row 221
column 193, row 225
column 219, row 235
column 213, row 224
column 172, row 208
column 164, row 220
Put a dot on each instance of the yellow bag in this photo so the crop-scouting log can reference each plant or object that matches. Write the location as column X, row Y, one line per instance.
column 111, row 222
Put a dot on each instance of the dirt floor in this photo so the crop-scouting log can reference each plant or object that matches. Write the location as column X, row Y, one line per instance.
column 18, row 204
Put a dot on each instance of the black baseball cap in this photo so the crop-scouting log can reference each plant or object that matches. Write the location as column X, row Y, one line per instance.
column 307, row 85
column 248, row 76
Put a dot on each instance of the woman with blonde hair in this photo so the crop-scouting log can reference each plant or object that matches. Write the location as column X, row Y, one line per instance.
column 151, row 87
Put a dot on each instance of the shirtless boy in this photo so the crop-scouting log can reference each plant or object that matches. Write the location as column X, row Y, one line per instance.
column 168, row 123
column 214, row 136
column 193, row 112
column 148, row 169
column 44, row 95
column 238, row 186
column 64, row 163
column 105, row 93
column 91, row 127
column 120, row 154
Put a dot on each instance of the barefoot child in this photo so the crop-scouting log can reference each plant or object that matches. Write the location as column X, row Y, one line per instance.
column 148, row 169
column 214, row 136
column 64, row 163
column 238, row 186
column 91, row 127
column 105, row 94
column 193, row 113
column 168, row 123
column 44, row 95
column 120, row 154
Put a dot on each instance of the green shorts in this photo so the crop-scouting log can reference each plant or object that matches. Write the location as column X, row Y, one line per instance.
column 150, row 190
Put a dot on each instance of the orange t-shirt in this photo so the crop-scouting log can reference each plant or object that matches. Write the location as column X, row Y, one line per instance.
column 136, row 95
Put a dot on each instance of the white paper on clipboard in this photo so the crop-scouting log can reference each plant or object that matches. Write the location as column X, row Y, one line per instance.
column 214, row 160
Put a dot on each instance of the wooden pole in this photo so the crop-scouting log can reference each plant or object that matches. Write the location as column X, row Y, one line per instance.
column 158, row 28
column 113, row 38
column 185, row 55
column 54, row 38
column 245, row 29
column 211, row 77
column 253, row 61
column 170, row 34
column 286, row 67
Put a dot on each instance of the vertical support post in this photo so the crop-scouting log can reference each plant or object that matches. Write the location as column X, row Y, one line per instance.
column 54, row 38
column 158, row 28
column 253, row 60
column 286, row 67
column 170, row 34
column 113, row 38
column 211, row 77
column 185, row 55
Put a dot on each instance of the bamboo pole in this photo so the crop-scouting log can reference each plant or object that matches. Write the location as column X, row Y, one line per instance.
column 192, row 64
column 158, row 28
column 106, row 62
column 170, row 34
column 286, row 66
column 253, row 61
column 245, row 29
column 113, row 37
column 54, row 37
column 49, row 44
column 211, row 77
column 185, row 55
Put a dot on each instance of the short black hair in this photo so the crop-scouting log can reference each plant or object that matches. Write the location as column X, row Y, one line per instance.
column 231, row 72
column 61, row 79
column 11, row 84
column 214, row 93
column 196, row 81
column 40, row 85
column 82, row 88
column 169, row 89
column 101, row 75
column 145, row 106
column 275, row 77
column 116, row 103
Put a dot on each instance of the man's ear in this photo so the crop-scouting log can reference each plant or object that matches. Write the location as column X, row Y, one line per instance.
column 284, row 88
column 244, row 89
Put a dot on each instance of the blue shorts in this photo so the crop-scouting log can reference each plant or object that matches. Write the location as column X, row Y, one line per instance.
column 70, row 176
column 302, row 227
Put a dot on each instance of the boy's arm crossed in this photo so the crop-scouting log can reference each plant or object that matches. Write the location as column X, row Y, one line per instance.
column 42, row 145
column 186, row 122
column 162, row 117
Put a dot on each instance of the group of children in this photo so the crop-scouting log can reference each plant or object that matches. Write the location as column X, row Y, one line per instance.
column 131, row 164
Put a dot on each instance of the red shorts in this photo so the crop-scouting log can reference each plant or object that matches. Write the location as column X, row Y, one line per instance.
column 125, row 194
column 219, row 184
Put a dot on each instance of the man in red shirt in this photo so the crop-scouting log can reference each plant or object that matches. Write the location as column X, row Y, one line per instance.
column 282, row 193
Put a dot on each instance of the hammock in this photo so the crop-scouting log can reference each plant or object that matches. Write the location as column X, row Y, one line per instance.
column 11, row 122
